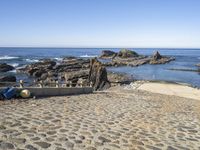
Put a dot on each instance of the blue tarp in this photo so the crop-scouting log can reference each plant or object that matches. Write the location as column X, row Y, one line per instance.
column 8, row 93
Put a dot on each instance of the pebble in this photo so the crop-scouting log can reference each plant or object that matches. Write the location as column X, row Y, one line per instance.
column 43, row 144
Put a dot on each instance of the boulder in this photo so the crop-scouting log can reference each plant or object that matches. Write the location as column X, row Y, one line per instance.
column 8, row 78
column 119, row 78
column 107, row 54
column 5, row 67
column 157, row 55
column 159, row 59
column 98, row 75
column 125, row 53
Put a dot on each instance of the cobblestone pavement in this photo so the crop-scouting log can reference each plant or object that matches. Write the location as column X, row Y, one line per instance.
column 117, row 119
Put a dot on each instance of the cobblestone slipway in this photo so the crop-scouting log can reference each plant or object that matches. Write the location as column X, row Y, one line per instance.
column 116, row 119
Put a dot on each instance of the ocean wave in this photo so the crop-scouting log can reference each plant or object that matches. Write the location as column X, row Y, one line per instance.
column 88, row 56
column 7, row 57
column 32, row 60
column 13, row 64
column 13, row 71
column 58, row 59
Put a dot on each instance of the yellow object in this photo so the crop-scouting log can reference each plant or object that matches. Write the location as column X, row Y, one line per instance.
column 25, row 93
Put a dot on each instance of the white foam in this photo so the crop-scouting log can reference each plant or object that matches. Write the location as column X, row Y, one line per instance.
column 7, row 57
column 58, row 59
column 88, row 56
column 14, row 64
column 32, row 60
column 14, row 71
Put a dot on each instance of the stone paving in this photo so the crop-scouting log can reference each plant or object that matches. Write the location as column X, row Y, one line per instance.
column 117, row 119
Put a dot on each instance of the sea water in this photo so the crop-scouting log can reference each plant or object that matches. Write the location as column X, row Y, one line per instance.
column 185, row 59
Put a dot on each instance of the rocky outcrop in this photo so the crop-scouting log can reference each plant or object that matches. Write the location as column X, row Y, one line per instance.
column 131, row 58
column 5, row 67
column 125, row 53
column 107, row 54
column 157, row 56
column 119, row 78
column 39, row 68
column 159, row 59
column 198, row 65
column 8, row 78
column 98, row 75
column 133, row 62
column 75, row 76
column 70, row 69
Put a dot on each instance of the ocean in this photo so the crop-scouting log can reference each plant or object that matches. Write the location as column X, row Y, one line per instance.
column 185, row 59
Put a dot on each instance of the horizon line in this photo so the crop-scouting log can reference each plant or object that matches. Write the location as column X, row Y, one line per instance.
column 84, row 47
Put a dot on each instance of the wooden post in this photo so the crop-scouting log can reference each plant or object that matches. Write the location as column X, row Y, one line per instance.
column 57, row 84
column 70, row 83
column 90, row 84
column 81, row 83
column 41, row 84
column 21, row 83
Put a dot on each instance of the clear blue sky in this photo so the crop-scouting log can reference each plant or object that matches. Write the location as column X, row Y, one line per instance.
column 100, row 23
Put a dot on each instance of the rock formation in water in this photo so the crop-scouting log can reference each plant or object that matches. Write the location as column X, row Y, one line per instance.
column 107, row 54
column 98, row 75
column 156, row 56
column 130, row 58
column 158, row 59
column 5, row 67
column 125, row 53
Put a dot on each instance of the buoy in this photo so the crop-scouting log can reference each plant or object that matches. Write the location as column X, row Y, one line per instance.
column 25, row 93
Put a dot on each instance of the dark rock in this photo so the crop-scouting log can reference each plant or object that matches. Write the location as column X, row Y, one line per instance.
column 119, row 78
column 8, row 78
column 72, row 64
column 5, row 67
column 130, row 58
column 39, row 73
column 157, row 55
column 75, row 75
column 133, row 62
column 44, row 76
column 39, row 68
column 159, row 59
column 31, row 71
column 98, row 75
column 108, row 54
column 125, row 53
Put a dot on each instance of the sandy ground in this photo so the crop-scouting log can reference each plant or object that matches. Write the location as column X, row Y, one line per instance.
column 169, row 89
column 121, row 118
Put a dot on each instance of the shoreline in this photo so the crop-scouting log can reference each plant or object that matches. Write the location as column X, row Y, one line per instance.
column 168, row 88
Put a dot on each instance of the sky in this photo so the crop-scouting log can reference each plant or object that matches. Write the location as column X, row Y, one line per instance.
column 100, row 23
